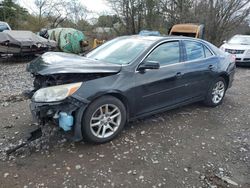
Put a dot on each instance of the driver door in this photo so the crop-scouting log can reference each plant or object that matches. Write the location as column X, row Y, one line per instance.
column 162, row 87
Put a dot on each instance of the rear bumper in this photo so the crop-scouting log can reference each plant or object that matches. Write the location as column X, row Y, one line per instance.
column 46, row 112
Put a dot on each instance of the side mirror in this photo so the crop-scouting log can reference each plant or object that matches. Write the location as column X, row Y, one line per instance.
column 224, row 41
column 149, row 65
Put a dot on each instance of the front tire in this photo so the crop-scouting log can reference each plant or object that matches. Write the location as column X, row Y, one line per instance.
column 216, row 93
column 103, row 120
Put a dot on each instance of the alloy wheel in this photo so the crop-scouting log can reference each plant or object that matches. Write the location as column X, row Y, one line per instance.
column 218, row 92
column 105, row 121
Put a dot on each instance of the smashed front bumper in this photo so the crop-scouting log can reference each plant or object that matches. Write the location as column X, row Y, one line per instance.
column 45, row 112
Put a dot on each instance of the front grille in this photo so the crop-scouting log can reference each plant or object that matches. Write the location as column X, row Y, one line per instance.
column 232, row 51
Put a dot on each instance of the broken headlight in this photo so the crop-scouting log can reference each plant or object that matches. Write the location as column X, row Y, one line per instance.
column 55, row 93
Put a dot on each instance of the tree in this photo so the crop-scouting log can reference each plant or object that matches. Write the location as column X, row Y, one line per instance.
column 57, row 11
column 12, row 13
column 177, row 11
column 42, row 6
column 221, row 17
column 129, row 12
column 107, row 20
column 77, row 11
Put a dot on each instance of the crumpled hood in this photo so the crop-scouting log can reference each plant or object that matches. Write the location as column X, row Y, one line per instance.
column 58, row 63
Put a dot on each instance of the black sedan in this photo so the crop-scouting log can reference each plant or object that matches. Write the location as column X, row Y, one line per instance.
column 124, row 79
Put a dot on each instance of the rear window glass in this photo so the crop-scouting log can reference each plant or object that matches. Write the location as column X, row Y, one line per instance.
column 208, row 53
column 184, row 34
column 194, row 50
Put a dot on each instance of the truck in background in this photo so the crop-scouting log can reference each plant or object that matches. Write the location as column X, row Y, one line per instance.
column 189, row 30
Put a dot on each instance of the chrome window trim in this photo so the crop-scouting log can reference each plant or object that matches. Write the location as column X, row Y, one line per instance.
column 194, row 61
column 204, row 44
column 179, row 40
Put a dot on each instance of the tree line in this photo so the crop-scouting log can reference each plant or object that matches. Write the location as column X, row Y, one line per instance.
column 222, row 18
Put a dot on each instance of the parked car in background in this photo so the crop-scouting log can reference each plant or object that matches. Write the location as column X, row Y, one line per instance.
column 124, row 79
column 4, row 26
column 239, row 45
column 24, row 43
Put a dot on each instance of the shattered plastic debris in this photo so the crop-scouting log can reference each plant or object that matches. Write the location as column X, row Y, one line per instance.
column 227, row 179
column 41, row 144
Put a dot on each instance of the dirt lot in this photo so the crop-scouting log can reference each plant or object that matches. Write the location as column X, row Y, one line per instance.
column 193, row 146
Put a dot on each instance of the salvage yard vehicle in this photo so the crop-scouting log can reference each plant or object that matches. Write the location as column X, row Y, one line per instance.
column 239, row 45
column 4, row 26
column 188, row 30
column 22, row 43
column 126, row 78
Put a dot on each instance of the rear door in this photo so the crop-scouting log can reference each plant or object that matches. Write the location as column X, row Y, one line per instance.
column 200, row 68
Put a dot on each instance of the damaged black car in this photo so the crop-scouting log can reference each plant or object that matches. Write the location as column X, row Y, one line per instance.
column 129, row 77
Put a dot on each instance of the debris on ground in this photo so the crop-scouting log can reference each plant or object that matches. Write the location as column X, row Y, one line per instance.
column 50, row 136
column 227, row 179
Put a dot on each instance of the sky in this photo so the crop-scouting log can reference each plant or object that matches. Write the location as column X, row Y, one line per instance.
column 96, row 6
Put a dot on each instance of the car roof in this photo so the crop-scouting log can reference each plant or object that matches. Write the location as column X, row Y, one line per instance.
column 241, row 36
column 162, row 38
column 158, row 39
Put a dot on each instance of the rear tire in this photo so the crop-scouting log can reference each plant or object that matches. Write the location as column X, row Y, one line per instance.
column 103, row 120
column 216, row 93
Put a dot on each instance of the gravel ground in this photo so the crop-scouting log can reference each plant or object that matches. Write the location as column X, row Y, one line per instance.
column 13, row 81
column 193, row 146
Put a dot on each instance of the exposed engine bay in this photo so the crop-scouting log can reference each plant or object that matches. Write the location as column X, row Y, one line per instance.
column 41, row 81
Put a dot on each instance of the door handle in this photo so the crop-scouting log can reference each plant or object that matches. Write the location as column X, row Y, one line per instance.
column 211, row 67
column 178, row 74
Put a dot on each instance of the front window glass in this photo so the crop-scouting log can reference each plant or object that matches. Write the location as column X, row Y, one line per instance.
column 243, row 40
column 3, row 27
column 121, row 50
column 194, row 50
column 167, row 53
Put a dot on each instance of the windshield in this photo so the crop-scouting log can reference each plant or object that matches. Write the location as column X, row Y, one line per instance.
column 244, row 40
column 120, row 50
column 3, row 27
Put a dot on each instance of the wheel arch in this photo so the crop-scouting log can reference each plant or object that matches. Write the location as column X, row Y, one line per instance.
column 117, row 95
column 226, row 77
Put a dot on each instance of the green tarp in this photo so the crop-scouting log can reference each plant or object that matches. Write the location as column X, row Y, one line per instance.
column 68, row 39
